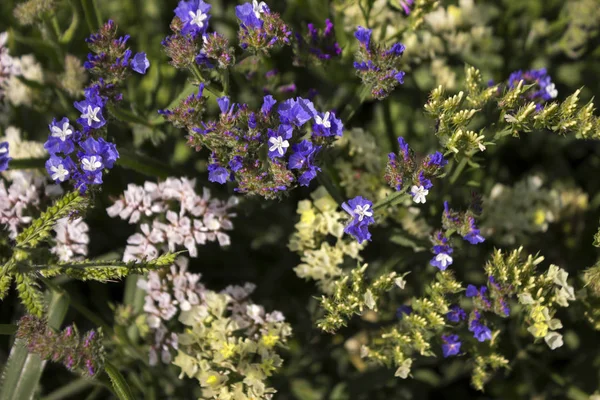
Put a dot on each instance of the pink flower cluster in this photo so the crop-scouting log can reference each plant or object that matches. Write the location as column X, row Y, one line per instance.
column 171, row 214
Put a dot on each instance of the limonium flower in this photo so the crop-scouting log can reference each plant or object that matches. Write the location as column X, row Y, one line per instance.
column 260, row 29
column 140, row 63
column 378, row 67
column 456, row 314
column 442, row 251
column 4, row 156
column 451, row 345
column 544, row 90
column 194, row 16
column 361, row 211
column 480, row 331
column 463, row 223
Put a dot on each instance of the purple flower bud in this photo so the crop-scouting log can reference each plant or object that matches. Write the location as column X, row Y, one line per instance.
column 363, row 35
column 140, row 63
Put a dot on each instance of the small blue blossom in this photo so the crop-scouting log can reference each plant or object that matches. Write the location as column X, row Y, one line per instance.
column 194, row 16
column 361, row 211
column 278, row 144
column 91, row 114
column 303, row 155
column 249, row 14
column 437, row 159
column 399, row 76
column 224, row 104
column 473, row 236
column 396, row 50
column 451, row 346
column 217, row 174
column 480, row 331
column 442, row 257
column 236, row 163
column 403, row 310
column 327, row 125
column 363, row 35
column 4, row 156
column 268, row 103
column 456, row 314
column 404, row 149
column 62, row 137
column 140, row 63
column 296, row 111
column 308, row 175
column 60, row 169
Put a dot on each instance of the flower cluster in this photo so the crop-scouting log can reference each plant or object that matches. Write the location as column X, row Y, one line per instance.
column 226, row 342
column 361, row 212
column 260, row 29
column 266, row 151
column 8, row 65
column 321, row 261
column 71, row 239
column 319, row 45
column 403, row 167
column 171, row 214
column 378, row 67
column 84, row 354
column 543, row 90
column 82, row 155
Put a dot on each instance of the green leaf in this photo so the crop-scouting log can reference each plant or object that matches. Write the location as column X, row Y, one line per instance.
column 120, row 386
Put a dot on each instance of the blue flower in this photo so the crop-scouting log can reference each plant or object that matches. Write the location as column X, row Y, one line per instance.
column 442, row 259
column 236, row 163
column 404, row 149
column 480, row 331
column 437, row 159
column 451, row 346
column 224, row 104
column 473, row 236
column 268, row 103
column 60, row 169
column 4, row 158
column 456, row 314
column 296, row 111
column 140, row 63
column 278, row 144
column 403, row 310
column 303, row 155
column 472, row 291
column 400, row 77
column 217, row 174
column 91, row 114
column 194, row 16
column 249, row 15
column 327, row 125
column 397, row 50
column 62, row 137
column 363, row 35
column 361, row 211
column 308, row 175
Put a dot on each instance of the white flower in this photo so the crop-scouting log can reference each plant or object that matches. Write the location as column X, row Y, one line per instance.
column 258, row 8
column 554, row 340
column 363, row 211
column 278, row 144
column 198, row 18
column 91, row 114
column 444, row 259
column 71, row 239
column 400, row 282
column 369, row 299
column 419, row 194
column 551, row 90
column 91, row 163
column 62, row 133
column 59, row 173
column 323, row 121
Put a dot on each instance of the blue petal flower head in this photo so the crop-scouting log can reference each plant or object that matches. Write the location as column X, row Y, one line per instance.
column 236, row 163
column 277, row 144
column 303, row 155
column 400, row 77
column 327, row 125
column 60, row 169
column 451, row 346
column 252, row 121
column 247, row 15
column 423, row 181
column 194, row 16
column 90, row 146
column 91, row 114
column 108, row 152
column 140, row 63
column 404, row 149
column 268, row 103
column 218, row 174
column 437, row 158
column 62, row 137
column 361, row 211
column 308, row 175
column 442, row 257
column 403, row 310
column 363, row 35
column 472, row 291
column 456, row 314
column 4, row 158
column 296, row 111
column 224, row 104
column 91, row 166
column 480, row 331
column 397, row 49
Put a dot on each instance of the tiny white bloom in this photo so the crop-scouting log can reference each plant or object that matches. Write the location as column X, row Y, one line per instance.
column 198, row 18
column 59, row 172
column 258, row 8
column 91, row 164
column 419, row 194
column 551, row 90
column 323, row 121
column 400, row 282
column 369, row 299
column 363, row 211
column 278, row 144
column 91, row 114
column 444, row 259
column 63, row 132
column 554, row 340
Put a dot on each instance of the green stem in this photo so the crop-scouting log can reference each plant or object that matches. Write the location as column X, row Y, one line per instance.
column 127, row 116
column 391, row 200
column 89, row 12
column 208, row 85
column 459, row 169
column 144, row 164
column 67, row 36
